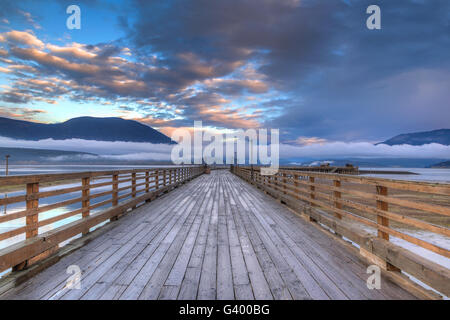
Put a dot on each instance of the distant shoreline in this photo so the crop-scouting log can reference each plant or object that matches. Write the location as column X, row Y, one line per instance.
column 386, row 172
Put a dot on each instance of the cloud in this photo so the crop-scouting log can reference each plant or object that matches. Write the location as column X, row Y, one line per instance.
column 29, row 18
column 306, row 141
column 144, row 156
column 98, row 73
column 103, row 148
column 339, row 78
column 5, row 70
column 364, row 150
column 146, row 151
column 309, row 68
column 76, row 50
column 22, row 113
column 21, row 37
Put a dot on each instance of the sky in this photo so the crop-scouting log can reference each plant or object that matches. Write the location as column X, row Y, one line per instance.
column 311, row 69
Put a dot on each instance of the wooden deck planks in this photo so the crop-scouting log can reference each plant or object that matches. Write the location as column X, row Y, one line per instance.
column 216, row 237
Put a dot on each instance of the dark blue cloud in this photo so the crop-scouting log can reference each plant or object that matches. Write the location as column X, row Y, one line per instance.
column 315, row 70
column 343, row 81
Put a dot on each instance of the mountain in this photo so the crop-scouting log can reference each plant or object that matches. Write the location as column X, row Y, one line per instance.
column 36, row 155
column 369, row 162
column 87, row 128
column 441, row 136
column 443, row 165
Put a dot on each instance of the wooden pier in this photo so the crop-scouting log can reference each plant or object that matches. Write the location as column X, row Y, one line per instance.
column 217, row 236
column 324, row 168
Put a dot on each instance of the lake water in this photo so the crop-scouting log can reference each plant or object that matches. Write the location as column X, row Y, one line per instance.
column 422, row 174
column 48, row 169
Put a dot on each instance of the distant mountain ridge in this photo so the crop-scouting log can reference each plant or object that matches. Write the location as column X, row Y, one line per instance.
column 443, row 165
column 369, row 162
column 28, row 154
column 87, row 128
column 441, row 136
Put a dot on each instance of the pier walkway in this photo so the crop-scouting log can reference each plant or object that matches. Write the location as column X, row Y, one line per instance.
column 215, row 237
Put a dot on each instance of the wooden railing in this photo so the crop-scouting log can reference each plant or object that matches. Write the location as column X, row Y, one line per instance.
column 125, row 189
column 354, row 206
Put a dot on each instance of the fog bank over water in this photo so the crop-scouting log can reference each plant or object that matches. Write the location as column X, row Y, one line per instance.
column 161, row 152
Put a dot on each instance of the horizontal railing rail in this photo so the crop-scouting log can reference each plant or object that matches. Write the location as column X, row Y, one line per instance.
column 77, row 204
column 389, row 208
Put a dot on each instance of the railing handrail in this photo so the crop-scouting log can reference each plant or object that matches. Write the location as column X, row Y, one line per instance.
column 52, row 177
column 348, row 201
column 144, row 185
column 416, row 186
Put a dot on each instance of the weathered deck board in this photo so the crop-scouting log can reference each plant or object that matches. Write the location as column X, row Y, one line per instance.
column 216, row 237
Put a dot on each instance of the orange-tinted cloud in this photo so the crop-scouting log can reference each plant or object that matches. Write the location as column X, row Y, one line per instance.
column 21, row 37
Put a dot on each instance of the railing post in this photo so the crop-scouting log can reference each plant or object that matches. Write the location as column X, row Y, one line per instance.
column 382, row 191
column 296, row 184
column 115, row 194
column 86, row 202
column 147, row 181
column 284, row 182
column 337, row 195
column 32, row 220
column 164, row 177
column 32, row 224
column 156, row 179
column 312, row 189
column 383, row 221
column 147, row 184
column 115, row 187
column 133, row 186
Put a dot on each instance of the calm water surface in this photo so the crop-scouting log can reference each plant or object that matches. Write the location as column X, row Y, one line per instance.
column 423, row 174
